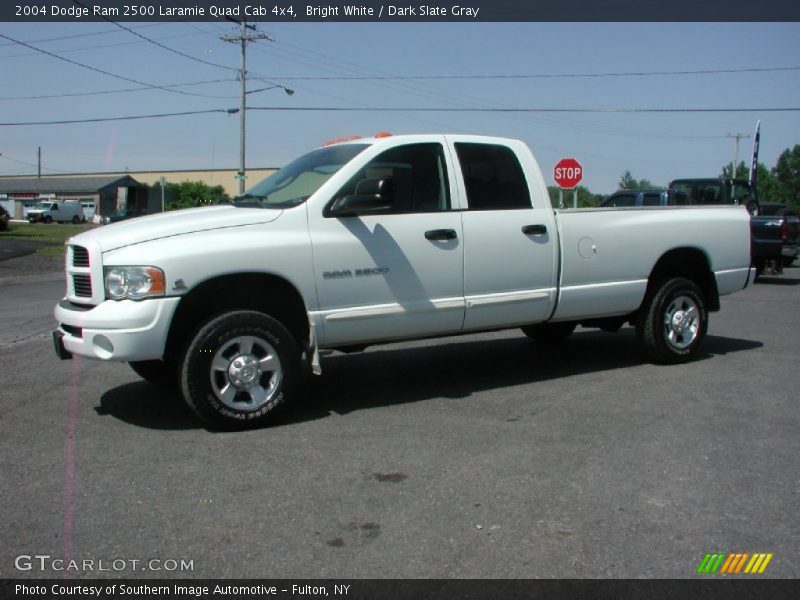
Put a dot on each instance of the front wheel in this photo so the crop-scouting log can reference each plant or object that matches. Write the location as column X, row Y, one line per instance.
column 239, row 369
column 673, row 321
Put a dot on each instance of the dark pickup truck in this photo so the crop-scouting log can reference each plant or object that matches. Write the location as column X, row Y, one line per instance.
column 718, row 191
column 772, row 237
column 775, row 235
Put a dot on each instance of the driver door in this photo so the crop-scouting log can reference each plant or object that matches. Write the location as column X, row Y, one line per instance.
column 396, row 272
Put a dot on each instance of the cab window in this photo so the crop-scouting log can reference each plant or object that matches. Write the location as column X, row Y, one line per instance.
column 416, row 175
column 493, row 177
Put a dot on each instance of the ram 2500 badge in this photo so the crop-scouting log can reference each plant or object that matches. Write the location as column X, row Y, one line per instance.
column 377, row 240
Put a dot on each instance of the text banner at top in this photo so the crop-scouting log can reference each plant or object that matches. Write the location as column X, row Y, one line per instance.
column 411, row 12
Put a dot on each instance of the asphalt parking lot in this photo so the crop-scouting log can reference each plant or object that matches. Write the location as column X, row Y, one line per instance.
column 478, row 456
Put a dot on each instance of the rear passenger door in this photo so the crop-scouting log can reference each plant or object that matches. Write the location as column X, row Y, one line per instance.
column 509, row 235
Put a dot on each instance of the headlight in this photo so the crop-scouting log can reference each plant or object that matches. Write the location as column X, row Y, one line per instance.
column 133, row 283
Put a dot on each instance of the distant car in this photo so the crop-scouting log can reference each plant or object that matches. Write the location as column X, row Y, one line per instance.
column 122, row 215
column 4, row 219
column 646, row 197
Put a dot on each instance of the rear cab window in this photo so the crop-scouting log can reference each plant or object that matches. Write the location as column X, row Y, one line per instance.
column 493, row 177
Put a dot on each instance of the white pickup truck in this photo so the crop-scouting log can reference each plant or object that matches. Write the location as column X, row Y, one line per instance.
column 377, row 240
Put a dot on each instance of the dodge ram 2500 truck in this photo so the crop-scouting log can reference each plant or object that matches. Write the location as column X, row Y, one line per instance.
column 377, row 240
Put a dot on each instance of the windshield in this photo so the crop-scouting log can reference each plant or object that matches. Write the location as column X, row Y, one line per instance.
column 295, row 182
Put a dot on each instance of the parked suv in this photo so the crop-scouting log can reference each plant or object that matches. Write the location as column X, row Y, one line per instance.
column 645, row 197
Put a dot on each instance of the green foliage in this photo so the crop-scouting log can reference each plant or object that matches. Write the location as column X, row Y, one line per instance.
column 742, row 171
column 787, row 176
column 188, row 194
column 585, row 197
column 629, row 182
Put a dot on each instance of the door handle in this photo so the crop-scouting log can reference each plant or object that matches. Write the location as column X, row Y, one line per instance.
column 441, row 234
column 534, row 229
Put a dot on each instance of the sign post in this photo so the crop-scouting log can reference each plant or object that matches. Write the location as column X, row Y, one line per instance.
column 567, row 174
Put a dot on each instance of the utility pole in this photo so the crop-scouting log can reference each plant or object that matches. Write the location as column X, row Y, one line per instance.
column 39, row 170
column 738, row 137
column 244, row 37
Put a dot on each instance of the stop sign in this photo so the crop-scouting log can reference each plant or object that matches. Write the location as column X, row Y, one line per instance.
column 567, row 173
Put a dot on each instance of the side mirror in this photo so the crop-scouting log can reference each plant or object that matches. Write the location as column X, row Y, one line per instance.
column 372, row 195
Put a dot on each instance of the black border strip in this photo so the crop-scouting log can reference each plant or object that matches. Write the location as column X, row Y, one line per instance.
column 405, row 11
column 707, row 588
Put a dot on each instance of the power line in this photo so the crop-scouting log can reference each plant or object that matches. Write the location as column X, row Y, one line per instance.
column 160, row 45
column 95, row 69
column 532, row 75
column 125, row 118
column 406, row 109
column 522, row 110
column 92, row 47
column 80, row 35
column 124, row 90
column 27, row 164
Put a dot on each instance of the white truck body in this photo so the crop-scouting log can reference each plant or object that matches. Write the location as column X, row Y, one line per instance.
column 59, row 211
column 452, row 263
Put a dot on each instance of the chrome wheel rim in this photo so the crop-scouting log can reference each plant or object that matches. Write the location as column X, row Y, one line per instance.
column 681, row 322
column 246, row 373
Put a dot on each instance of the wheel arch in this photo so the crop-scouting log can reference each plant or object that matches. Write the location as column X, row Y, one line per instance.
column 690, row 263
column 263, row 292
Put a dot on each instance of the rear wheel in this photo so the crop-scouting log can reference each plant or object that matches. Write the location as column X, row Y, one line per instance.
column 239, row 369
column 549, row 333
column 673, row 321
column 76, row 219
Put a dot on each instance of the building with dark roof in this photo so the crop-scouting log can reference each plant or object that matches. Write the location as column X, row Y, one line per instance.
column 102, row 195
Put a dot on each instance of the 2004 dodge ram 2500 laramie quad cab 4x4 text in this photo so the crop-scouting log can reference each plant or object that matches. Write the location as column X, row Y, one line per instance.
column 378, row 240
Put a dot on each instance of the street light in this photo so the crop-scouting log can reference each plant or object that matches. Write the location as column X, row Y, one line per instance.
column 243, row 38
column 242, row 110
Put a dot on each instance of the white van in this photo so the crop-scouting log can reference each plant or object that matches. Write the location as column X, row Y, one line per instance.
column 49, row 211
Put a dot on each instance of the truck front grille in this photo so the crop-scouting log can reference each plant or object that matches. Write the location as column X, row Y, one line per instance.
column 80, row 256
column 82, row 285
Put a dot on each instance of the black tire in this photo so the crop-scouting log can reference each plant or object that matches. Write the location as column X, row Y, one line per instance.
column 753, row 208
column 159, row 372
column 76, row 219
column 239, row 369
column 673, row 321
column 48, row 220
column 760, row 264
column 788, row 261
column 549, row 333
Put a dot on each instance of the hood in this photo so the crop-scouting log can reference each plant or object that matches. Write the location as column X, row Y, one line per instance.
column 179, row 222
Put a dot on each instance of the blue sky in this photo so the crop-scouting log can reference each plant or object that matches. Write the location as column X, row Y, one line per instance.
column 656, row 146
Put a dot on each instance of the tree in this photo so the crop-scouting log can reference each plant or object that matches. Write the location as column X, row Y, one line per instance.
column 629, row 182
column 742, row 171
column 188, row 194
column 787, row 176
column 585, row 197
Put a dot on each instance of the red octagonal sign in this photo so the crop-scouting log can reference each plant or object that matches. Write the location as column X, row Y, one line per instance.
column 567, row 173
